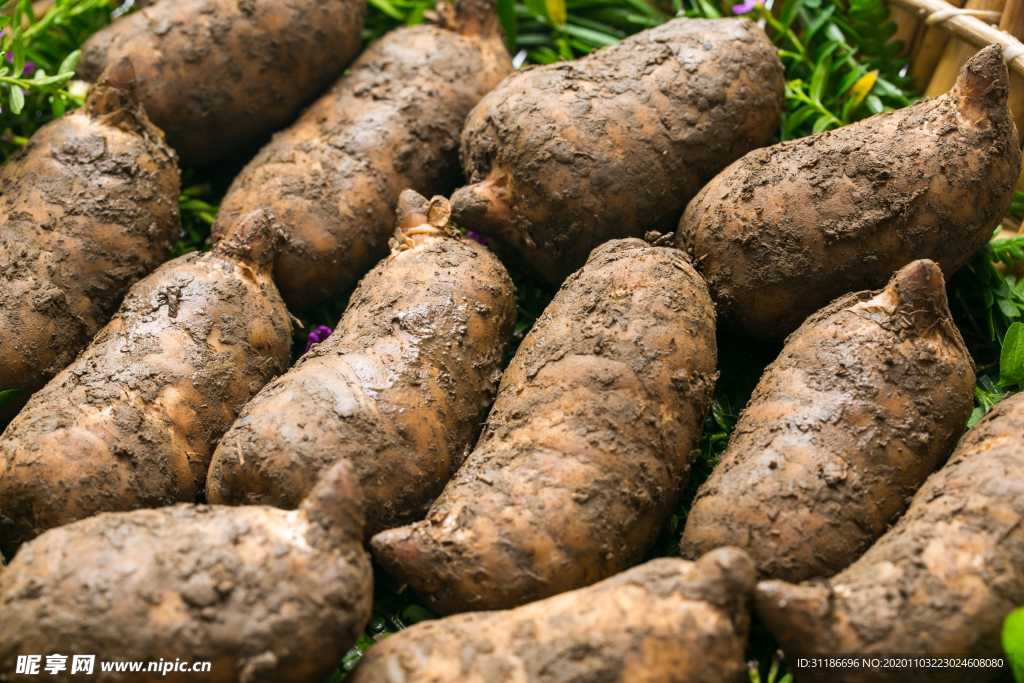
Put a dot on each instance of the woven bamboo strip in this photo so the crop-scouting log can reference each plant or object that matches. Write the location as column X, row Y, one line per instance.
column 957, row 53
column 971, row 30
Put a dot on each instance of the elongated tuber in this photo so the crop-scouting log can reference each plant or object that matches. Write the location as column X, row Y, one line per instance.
column 567, row 156
column 399, row 389
column 220, row 75
column 260, row 594
column 87, row 207
column 331, row 180
column 133, row 421
column 662, row 622
column 866, row 399
column 787, row 229
column 587, row 445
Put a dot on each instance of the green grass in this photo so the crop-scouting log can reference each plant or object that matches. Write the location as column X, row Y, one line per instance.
column 840, row 67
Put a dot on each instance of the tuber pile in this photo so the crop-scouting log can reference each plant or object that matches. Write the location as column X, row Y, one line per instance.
column 567, row 156
column 261, row 594
column 662, row 622
column 220, row 75
column 866, row 399
column 399, row 389
column 586, row 447
column 331, row 180
column 87, row 207
column 941, row 582
column 133, row 421
column 787, row 229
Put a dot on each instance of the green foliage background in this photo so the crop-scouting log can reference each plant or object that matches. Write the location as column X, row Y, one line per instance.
column 841, row 66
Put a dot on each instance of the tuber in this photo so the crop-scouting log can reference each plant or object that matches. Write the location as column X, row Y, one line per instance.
column 331, row 181
column 567, row 156
column 87, row 207
column 220, row 75
column 586, row 448
column 133, row 421
column 866, row 399
column 399, row 389
column 662, row 622
column 940, row 583
column 261, row 594
column 787, row 229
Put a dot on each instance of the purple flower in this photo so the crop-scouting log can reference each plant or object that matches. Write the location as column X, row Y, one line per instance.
column 316, row 336
column 747, row 6
column 476, row 238
column 29, row 66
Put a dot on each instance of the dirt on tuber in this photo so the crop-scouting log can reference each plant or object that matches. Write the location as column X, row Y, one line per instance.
column 586, row 448
column 399, row 390
column 262, row 594
column 87, row 207
column 331, row 181
column 133, row 421
column 787, row 229
column 219, row 76
column 662, row 622
column 941, row 582
column 865, row 401
column 567, row 156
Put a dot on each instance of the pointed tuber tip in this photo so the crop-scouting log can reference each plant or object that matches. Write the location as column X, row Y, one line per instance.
column 983, row 84
column 250, row 240
column 336, row 503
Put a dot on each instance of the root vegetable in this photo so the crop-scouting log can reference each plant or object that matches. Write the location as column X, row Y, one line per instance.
column 664, row 621
column 87, row 207
column 866, row 399
column 133, row 421
column 220, row 75
column 399, row 389
column 331, row 180
column 568, row 156
column 939, row 583
column 262, row 594
column 586, row 447
column 787, row 229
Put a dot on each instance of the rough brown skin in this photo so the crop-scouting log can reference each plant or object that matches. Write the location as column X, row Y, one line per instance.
column 587, row 445
column 866, row 399
column 787, row 229
column 87, row 207
column 399, row 390
column 263, row 594
column 133, row 421
column 941, row 582
column 662, row 622
column 220, row 75
column 331, row 181
column 568, row 156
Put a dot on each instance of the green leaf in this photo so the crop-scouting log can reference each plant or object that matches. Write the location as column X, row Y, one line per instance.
column 1013, row 642
column 817, row 23
column 69, row 63
column 17, row 99
column 18, row 47
column 59, row 105
column 1011, row 358
column 507, row 17
column 8, row 397
column 789, row 10
column 820, row 79
column 591, row 37
column 388, row 9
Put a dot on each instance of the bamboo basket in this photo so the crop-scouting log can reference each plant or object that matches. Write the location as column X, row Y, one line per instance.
column 939, row 38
